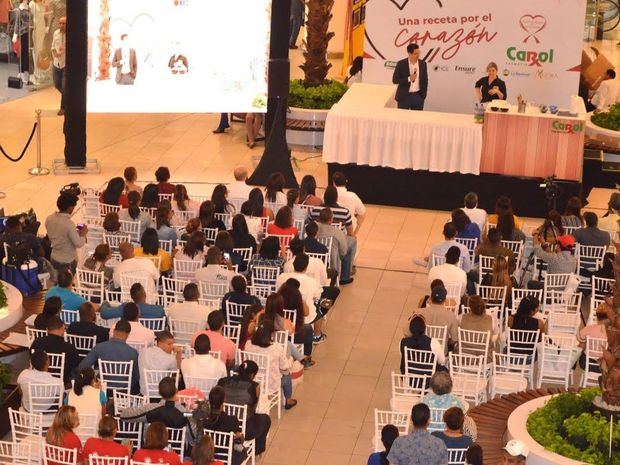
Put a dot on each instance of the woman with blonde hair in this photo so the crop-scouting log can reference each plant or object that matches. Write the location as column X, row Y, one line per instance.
column 61, row 433
column 501, row 276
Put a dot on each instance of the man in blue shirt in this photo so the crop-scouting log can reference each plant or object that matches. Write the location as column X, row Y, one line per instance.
column 116, row 350
column 138, row 295
column 70, row 300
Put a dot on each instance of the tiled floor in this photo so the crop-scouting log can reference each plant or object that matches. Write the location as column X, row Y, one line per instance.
column 334, row 419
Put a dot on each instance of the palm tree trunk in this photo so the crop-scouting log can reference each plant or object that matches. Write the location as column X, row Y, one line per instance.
column 316, row 66
column 104, row 41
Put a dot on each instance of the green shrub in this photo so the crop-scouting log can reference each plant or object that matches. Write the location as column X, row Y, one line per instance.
column 321, row 97
column 608, row 119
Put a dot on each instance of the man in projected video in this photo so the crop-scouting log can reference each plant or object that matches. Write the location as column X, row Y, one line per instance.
column 125, row 62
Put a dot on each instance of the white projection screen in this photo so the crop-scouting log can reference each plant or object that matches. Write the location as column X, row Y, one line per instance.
column 178, row 56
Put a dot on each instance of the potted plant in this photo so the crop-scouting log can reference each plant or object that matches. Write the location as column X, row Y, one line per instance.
column 311, row 98
column 9, row 394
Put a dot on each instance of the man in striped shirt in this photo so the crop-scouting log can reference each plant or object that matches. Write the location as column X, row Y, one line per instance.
column 340, row 214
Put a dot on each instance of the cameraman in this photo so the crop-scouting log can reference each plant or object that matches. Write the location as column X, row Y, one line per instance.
column 64, row 236
column 15, row 237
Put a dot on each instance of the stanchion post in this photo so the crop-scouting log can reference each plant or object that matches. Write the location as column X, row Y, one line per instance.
column 38, row 170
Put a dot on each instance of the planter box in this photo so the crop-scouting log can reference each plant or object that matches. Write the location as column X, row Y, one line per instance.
column 312, row 133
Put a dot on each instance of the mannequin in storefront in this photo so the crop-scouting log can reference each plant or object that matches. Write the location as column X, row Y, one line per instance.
column 40, row 56
column 18, row 31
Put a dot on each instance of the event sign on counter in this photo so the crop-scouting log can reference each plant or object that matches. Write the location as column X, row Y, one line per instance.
column 178, row 56
column 535, row 43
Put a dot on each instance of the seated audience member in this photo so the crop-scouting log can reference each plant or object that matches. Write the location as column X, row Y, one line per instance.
column 449, row 272
column 255, row 224
column 150, row 197
column 217, row 341
column 426, row 300
column 218, row 419
column 303, row 332
column 162, row 356
column 219, row 198
column 190, row 308
column 274, row 189
column 54, row 343
column 138, row 296
column 316, row 268
column 86, row 395
column 515, row 453
column 86, row 325
column 551, row 229
column 492, row 247
column 131, row 176
column 300, row 214
column 311, row 243
column 112, row 225
column 476, row 215
column 238, row 295
column 279, row 370
column 418, row 447
column 203, row 452
column 155, row 447
column 283, row 224
column 62, row 432
column 389, row 433
column 441, row 392
column 241, row 389
column 164, row 411
column 213, row 272
column 114, row 193
column 193, row 250
column 503, row 205
column 104, row 445
column 258, row 208
column 466, row 229
column 274, row 312
column 133, row 264
column 38, row 374
column 51, row 308
column 343, row 249
column 525, row 319
column 268, row 255
column 116, row 349
column 182, row 203
column 162, row 176
column 436, row 314
column 611, row 219
column 340, row 215
column 224, row 242
column 440, row 249
column 150, row 248
column 595, row 330
column 165, row 232
column 560, row 261
column 506, row 226
column 206, row 215
column 139, row 334
column 203, row 364
column 453, row 436
column 474, row 455
column 14, row 235
column 501, row 276
column 239, row 189
column 64, row 236
column 133, row 212
column 418, row 340
column 477, row 319
column 64, row 290
column 349, row 200
column 240, row 234
column 572, row 214
column 97, row 262
column 591, row 234
column 249, row 323
column 607, row 269
column 307, row 192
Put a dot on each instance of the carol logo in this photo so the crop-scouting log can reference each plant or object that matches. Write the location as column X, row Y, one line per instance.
column 566, row 128
column 529, row 57
column 532, row 24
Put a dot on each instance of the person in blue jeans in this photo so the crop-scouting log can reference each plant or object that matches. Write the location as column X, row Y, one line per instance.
column 388, row 434
column 297, row 19
column 223, row 124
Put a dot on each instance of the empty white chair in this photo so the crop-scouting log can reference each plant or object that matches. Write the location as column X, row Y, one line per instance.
column 474, row 342
column 91, row 282
column 44, row 398
column 176, row 440
column 133, row 229
column 59, row 455
column 16, row 453
column 594, row 351
column 419, row 362
column 234, row 312
column 554, row 282
column 509, row 374
column 556, row 360
column 88, row 426
column 83, row 344
column 562, row 322
column 467, row 373
column 407, row 390
column 186, row 269
column 386, row 417
column 27, row 429
column 184, row 330
column 565, row 302
column 152, row 379
column 116, row 375
column 589, row 257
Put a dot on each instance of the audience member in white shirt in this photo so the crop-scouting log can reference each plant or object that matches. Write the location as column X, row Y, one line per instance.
column 38, row 374
column 476, row 215
column 239, row 189
column 440, row 249
column 607, row 91
column 214, row 272
column 131, row 264
column 203, row 365
column 349, row 200
column 162, row 356
column 449, row 272
column 139, row 334
column 316, row 268
column 190, row 309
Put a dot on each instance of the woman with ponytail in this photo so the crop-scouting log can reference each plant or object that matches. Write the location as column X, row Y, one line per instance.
column 133, row 212
column 86, row 395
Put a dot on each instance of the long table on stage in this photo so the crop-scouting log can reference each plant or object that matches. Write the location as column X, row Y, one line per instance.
column 366, row 128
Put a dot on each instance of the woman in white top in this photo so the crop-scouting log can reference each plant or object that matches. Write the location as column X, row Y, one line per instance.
column 87, row 396
column 299, row 213
column 274, row 189
column 279, row 365
column 182, row 203
column 133, row 212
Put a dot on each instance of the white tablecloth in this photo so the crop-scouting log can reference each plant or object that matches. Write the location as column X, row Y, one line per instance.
column 366, row 128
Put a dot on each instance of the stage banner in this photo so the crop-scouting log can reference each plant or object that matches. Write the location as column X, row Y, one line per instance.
column 535, row 43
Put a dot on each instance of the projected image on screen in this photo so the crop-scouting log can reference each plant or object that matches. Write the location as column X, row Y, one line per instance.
column 178, row 56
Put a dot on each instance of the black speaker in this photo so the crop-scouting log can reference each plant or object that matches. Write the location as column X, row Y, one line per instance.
column 15, row 82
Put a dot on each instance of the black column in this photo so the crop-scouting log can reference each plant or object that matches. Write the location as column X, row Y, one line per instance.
column 75, row 83
column 277, row 155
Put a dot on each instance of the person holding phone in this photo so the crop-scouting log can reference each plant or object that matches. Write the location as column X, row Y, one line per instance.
column 412, row 78
column 490, row 87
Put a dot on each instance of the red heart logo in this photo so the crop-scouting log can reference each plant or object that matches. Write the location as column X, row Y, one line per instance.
column 532, row 24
